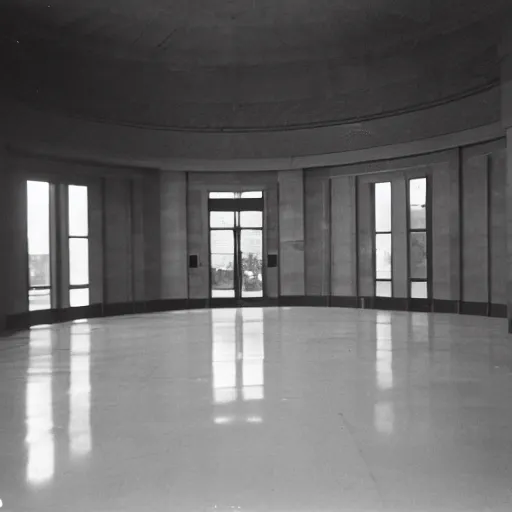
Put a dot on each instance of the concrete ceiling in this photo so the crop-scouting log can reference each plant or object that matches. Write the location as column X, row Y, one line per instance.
column 217, row 32
column 247, row 64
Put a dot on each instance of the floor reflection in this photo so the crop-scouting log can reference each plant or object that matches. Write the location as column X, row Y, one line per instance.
column 384, row 417
column 224, row 356
column 237, row 359
column 253, row 354
column 80, row 390
column 39, row 409
column 384, row 413
column 384, row 355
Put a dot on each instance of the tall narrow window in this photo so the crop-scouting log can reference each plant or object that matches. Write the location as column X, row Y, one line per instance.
column 38, row 235
column 418, row 261
column 383, row 243
column 78, row 246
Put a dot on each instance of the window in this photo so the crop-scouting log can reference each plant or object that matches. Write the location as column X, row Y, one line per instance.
column 38, row 236
column 78, row 246
column 383, row 241
column 418, row 239
column 236, row 244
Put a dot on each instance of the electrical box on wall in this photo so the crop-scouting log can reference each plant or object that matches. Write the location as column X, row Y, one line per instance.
column 193, row 261
column 272, row 261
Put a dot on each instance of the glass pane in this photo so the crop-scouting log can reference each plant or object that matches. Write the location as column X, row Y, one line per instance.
column 383, row 288
column 38, row 232
column 222, row 219
column 222, row 242
column 222, row 195
column 251, row 245
column 78, row 298
column 383, row 256
column 222, row 274
column 418, row 255
column 251, row 219
column 382, row 207
column 39, row 299
column 419, row 290
column 417, row 203
column 252, row 195
column 222, row 261
column 78, row 211
column 78, row 261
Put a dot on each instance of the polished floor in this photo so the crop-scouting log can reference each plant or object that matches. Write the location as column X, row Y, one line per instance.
column 281, row 410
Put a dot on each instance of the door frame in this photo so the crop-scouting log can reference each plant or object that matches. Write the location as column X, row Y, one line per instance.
column 237, row 204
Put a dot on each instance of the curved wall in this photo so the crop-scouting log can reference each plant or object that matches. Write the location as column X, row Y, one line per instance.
column 143, row 227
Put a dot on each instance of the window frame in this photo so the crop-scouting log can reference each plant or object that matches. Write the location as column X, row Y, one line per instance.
column 428, row 236
column 71, row 237
column 236, row 205
column 51, row 246
column 375, row 233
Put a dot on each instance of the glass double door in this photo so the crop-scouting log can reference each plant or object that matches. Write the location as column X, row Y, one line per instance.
column 236, row 254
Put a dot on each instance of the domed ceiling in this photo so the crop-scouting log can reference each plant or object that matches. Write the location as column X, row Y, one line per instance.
column 246, row 64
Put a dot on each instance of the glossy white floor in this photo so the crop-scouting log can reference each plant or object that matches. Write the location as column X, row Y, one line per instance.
column 258, row 410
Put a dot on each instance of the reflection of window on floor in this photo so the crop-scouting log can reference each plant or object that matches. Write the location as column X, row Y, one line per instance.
column 383, row 244
column 38, row 235
column 384, row 355
column 39, row 409
column 80, row 390
column 237, row 358
column 78, row 246
column 224, row 355
column 418, row 262
column 253, row 354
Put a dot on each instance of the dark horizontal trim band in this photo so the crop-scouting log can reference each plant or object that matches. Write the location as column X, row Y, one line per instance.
column 236, row 205
column 22, row 321
column 490, row 84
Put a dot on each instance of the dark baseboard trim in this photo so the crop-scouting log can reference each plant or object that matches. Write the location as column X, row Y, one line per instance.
column 474, row 308
column 498, row 311
column 338, row 301
column 445, row 306
column 22, row 321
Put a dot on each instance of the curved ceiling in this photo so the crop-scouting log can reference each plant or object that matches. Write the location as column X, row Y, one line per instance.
column 223, row 32
column 247, row 64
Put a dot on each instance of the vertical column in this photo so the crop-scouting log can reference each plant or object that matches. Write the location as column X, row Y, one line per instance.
column 117, row 242
column 152, row 246
column 96, row 242
column 291, row 232
column 506, row 116
column 446, row 231
column 498, row 232
column 475, row 249
column 4, row 241
column 198, row 242
column 173, row 229
column 272, row 240
column 138, row 242
column 17, row 257
column 344, row 237
column 365, row 235
column 399, row 236
column 317, row 234
column 509, row 223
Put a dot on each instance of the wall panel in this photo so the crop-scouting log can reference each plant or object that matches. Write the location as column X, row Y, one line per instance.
column 118, row 276
column 344, row 237
column 317, row 234
column 475, row 261
column 498, row 232
column 173, row 230
column 291, row 232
